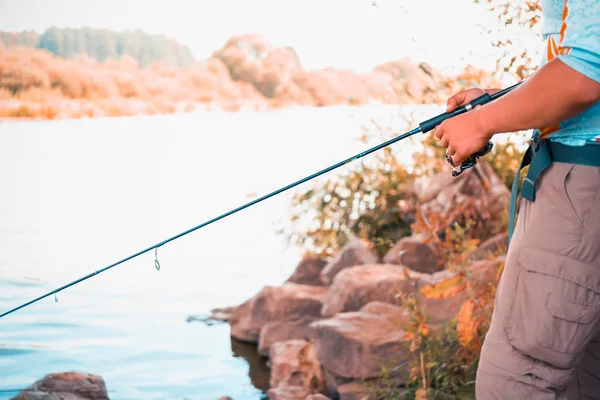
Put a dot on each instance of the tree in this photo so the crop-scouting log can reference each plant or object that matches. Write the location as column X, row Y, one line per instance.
column 102, row 44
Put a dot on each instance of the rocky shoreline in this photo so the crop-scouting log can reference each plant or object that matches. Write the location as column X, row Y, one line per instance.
column 334, row 340
column 328, row 331
column 331, row 327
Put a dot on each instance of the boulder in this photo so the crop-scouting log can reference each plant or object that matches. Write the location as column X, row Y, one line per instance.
column 241, row 323
column 294, row 364
column 355, row 252
column 486, row 271
column 318, row 396
column 385, row 309
column 308, row 271
column 66, row 385
column 288, row 393
column 477, row 194
column 281, row 331
column 275, row 303
column 354, row 391
column 365, row 390
column 217, row 315
column 412, row 253
column 294, row 393
column 356, row 286
column 438, row 311
column 353, row 345
column 441, row 310
column 333, row 381
column 221, row 314
column 494, row 245
column 445, row 191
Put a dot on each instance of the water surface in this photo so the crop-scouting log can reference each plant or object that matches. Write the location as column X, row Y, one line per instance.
column 78, row 195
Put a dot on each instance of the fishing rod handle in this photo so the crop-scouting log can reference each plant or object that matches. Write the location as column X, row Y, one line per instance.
column 471, row 161
column 431, row 123
column 485, row 98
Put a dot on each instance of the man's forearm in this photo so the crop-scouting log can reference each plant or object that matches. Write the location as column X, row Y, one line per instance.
column 553, row 94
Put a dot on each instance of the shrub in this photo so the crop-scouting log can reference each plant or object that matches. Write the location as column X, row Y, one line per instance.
column 24, row 111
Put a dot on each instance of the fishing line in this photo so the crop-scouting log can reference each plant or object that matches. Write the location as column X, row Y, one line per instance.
column 423, row 127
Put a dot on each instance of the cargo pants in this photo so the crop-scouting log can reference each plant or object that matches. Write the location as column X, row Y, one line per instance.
column 544, row 339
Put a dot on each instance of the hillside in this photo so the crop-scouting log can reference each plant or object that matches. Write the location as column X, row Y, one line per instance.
column 247, row 72
column 101, row 44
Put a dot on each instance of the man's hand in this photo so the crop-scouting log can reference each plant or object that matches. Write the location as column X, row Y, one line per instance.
column 464, row 97
column 463, row 135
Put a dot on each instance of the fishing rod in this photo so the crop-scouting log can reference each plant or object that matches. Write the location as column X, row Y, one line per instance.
column 423, row 127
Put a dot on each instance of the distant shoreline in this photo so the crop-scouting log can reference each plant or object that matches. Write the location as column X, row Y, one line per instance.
column 86, row 110
column 245, row 74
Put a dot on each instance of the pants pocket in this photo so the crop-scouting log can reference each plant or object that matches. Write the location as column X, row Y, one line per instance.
column 580, row 191
column 555, row 310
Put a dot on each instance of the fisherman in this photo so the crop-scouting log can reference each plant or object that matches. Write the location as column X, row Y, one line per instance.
column 544, row 338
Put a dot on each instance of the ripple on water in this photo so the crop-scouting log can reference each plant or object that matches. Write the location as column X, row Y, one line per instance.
column 53, row 324
column 25, row 282
column 6, row 351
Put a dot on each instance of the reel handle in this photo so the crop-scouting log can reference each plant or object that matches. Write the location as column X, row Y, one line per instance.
column 469, row 162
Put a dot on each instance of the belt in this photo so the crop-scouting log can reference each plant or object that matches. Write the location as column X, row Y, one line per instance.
column 539, row 156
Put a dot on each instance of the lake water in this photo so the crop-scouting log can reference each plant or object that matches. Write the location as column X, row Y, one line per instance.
column 78, row 195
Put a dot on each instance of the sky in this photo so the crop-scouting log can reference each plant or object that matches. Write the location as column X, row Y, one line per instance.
column 346, row 34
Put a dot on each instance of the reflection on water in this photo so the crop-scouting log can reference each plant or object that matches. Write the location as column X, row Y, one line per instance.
column 259, row 370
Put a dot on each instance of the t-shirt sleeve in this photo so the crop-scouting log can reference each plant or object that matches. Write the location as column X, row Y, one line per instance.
column 580, row 44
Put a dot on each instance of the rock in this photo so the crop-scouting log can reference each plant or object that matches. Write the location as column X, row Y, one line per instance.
column 275, row 303
column 222, row 314
column 333, row 381
column 353, row 345
column 494, row 245
column 288, row 393
column 412, row 253
column 225, row 398
column 354, row 391
column 356, row 286
column 365, row 391
column 486, row 271
column 241, row 323
column 381, row 308
column 448, row 190
column 281, row 331
column 308, row 272
column 481, row 192
column 441, row 310
column 294, row 364
column 66, row 386
column 215, row 317
column 355, row 252
column 318, row 396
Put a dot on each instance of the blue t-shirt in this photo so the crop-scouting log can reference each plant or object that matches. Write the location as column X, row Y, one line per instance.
column 571, row 31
